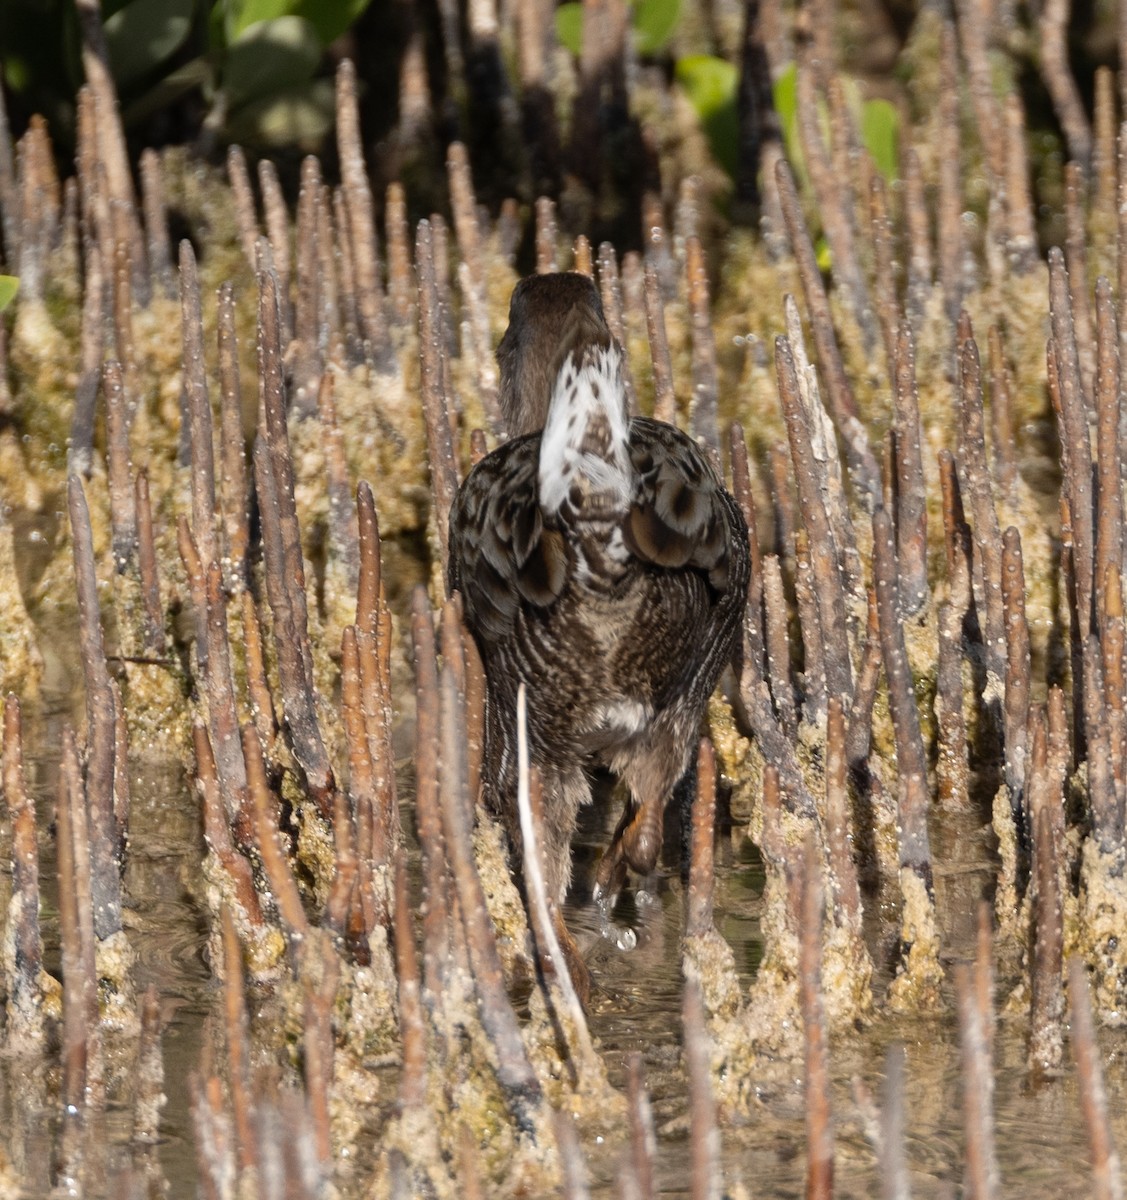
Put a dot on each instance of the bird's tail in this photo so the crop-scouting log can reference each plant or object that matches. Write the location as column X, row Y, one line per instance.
column 585, row 467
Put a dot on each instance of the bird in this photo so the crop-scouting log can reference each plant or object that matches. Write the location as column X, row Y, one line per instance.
column 602, row 564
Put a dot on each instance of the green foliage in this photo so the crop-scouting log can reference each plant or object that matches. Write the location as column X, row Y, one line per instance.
column 9, row 285
column 653, row 22
column 254, row 61
column 880, row 132
column 711, row 84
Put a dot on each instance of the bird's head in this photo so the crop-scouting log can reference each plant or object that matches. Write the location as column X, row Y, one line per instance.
column 550, row 317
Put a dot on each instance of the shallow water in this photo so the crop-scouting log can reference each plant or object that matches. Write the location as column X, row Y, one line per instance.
column 635, row 1007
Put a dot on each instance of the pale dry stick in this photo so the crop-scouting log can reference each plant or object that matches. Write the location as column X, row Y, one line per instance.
column 704, row 422
column 267, row 838
column 282, row 554
column 911, row 758
column 1106, row 812
column 980, row 495
column 1046, row 1004
column 582, row 259
column 343, row 544
column 704, row 1136
column 835, row 203
column 777, row 644
column 319, row 970
column 122, row 309
column 83, row 882
column 401, row 288
column 218, row 828
column 1107, row 1182
column 339, row 915
column 981, row 1182
column 364, row 250
column 440, row 446
column 610, row 289
column 156, row 222
column 150, row 1098
column 246, row 215
column 412, row 1026
column 1121, row 244
column 1018, row 680
column 100, row 718
column 349, row 305
column 80, row 452
column 814, row 689
column 839, row 840
column 276, row 218
column 573, row 1166
column 884, row 267
column 1113, row 644
column 309, row 285
column 819, row 1120
column 829, row 589
column 665, row 399
column 1075, row 446
column 437, row 917
column 1109, row 465
column 123, row 509
column 643, row 1144
column 211, row 1130
column 547, row 236
column 152, row 619
column 232, row 459
column 374, row 639
column 1060, row 83
column 197, row 407
column 843, row 405
column 258, row 690
column 1002, row 440
column 1076, row 250
column 917, row 234
column 514, row 1071
column 741, row 490
column 894, row 1181
column 1020, row 213
column 112, row 150
column 974, row 32
column 911, row 501
column 532, row 859
column 76, row 1031
column 23, row 943
column 1103, row 215
column 238, row 1043
column 949, row 227
column 702, row 877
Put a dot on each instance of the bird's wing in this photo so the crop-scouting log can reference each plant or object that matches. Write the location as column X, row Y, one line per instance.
column 681, row 514
column 501, row 552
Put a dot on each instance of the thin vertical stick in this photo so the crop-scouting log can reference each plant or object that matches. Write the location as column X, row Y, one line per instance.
column 1107, row 1183
column 819, row 1125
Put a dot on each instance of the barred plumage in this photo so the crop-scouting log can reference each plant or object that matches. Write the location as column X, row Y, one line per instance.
column 603, row 564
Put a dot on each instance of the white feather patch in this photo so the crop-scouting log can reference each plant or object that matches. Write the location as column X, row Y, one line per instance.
column 588, row 391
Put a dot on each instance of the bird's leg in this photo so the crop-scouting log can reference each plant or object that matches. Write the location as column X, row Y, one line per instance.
column 649, row 774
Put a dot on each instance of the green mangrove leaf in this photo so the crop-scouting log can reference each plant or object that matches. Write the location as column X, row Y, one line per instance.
column 143, row 33
column 569, row 27
column 270, row 57
column 240, row 15
column 880, row 131
column 784, row 93
column 654, row 22
column 9, row 285
column 330, row 18
column 710, row 84
column 299, row 116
